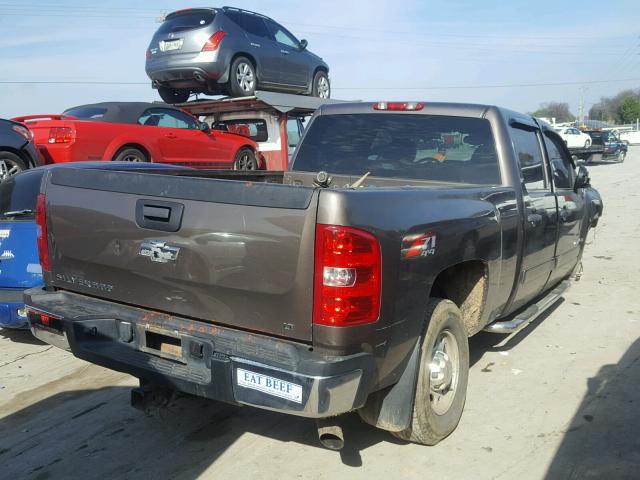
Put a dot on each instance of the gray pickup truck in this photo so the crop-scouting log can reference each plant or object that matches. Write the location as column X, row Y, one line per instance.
column 349, row 283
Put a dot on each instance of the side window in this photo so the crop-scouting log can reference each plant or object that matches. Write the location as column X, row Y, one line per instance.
column 161, row 117
column 281, row 35
column 255, row 25
column 561, row 167
column 293, row 132
column 527, row 148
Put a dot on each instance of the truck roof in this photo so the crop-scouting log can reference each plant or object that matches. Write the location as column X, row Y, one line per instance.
column 435, row 108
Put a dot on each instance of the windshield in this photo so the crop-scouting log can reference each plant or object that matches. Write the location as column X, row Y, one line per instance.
column 420, row 147
column 18, row 196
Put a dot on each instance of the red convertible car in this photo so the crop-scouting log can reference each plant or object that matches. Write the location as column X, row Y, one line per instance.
column 139, row 132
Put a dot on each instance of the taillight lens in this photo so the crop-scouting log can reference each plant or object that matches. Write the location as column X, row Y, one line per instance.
column 24, row 131
column 41, row 223
column 398, row 106
column 347, row 277
column 60, row 135
column 214, row 41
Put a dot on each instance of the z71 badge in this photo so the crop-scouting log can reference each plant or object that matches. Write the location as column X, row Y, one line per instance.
column 159, row 251
column 418, row 245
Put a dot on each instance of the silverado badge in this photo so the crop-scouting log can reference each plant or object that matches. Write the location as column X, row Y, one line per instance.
column 158, row 251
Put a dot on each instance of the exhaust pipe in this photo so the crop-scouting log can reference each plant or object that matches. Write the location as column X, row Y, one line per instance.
column 330, row 433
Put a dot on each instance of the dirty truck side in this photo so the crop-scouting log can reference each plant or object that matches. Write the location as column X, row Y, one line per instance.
column 351, row 282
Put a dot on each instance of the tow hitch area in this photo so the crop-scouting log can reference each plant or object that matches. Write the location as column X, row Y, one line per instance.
column 148, row 399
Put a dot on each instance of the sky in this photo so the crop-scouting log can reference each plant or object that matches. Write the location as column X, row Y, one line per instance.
column 517, row 54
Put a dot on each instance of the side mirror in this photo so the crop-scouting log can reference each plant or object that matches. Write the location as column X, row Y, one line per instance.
column 303, row 44
column 204, row 127
column 582, row 179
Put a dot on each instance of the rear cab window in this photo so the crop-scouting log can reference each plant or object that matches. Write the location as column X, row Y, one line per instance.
column 420, row 147
column 255, row 129
column 187, row 20
column 18, row 196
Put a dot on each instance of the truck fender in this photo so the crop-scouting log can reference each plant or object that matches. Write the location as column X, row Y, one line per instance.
column 391, row 409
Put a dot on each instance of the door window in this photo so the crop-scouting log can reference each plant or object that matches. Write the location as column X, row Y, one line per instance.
column 255, row 26
column 527, row 147
column 164, row 117
column 281, row 35
column 255, row 129
column 561, row 167
column 293, row 132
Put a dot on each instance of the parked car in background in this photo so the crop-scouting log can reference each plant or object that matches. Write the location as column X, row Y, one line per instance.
column 632, row 137
column 574, row 138
column 19, row 264
column 614, row 148
column 17, row 150
column 230, row 51
column 139, row 132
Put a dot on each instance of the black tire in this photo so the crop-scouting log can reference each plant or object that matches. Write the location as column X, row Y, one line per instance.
column 174, row 95
column 10, row 164
column 428, row 425
column 621, row 156
column 242, row 78
column 245, row 160
column 131, row 154
column 587, row 143
column 321, row 85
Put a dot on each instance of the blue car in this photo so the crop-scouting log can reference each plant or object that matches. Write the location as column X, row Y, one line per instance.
column 19, row 264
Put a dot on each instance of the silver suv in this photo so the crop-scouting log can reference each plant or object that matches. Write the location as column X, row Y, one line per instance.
column 230, row 51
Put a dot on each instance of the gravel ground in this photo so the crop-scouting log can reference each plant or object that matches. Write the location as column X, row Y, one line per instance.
column 557, row 400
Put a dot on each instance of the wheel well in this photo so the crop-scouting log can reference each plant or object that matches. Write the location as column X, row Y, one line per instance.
column 261, row 163
column 250, row 57
column 132, row 145
column 29, row 162
column 465, row 284
column 320, row 68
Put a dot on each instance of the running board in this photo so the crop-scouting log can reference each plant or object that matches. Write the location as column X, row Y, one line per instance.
column 523, row 319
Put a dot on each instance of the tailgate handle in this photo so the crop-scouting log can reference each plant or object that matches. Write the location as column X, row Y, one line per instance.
column 159, row 215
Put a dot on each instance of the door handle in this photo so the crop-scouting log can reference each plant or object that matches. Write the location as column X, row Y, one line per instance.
column 171, row 135
column 159, row 215
column 285, row 52
column 257, row 45
column 534, row 219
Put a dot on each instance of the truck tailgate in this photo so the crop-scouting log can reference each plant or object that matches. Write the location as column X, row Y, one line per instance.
column 239, row 256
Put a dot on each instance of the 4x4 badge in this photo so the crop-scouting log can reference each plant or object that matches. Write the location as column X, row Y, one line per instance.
column 159, row 251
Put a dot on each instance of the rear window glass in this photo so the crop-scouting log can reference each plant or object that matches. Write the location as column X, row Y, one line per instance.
column 187, row 21
column 86, row 113
column 420, row 147
column 255, row 129
column 18, row 196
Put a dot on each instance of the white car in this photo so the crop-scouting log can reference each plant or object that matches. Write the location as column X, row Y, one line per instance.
column 574, row 138
column 633, row 137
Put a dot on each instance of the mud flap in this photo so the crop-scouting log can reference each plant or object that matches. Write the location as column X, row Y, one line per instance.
column 391, row 409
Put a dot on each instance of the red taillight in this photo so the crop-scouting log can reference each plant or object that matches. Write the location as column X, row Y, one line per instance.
column 347, row 277
column 398, row 106
column 60, row 135
column 214, row 41
column 41, row 222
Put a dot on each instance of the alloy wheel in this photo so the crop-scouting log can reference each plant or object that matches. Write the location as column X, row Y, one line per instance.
column 245, row 77
column 323, row 87
column 8, row 168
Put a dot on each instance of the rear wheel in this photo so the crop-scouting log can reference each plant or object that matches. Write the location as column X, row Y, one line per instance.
column 621, row 156
column 130, row 154
column 321, row 85
column 245, row 159
column 174, row 95
column 242, row 78
column 441, row 387
column 10, row 164
column 587, row 143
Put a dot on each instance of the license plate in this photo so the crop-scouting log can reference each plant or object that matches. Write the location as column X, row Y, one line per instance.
column 269, row 385
column 169, row 45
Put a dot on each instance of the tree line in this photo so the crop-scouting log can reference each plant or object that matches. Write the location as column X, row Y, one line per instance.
column 620, row 109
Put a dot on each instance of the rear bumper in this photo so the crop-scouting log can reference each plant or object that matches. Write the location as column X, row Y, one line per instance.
column 11, row 307
column 184, row 72
column 202, row 359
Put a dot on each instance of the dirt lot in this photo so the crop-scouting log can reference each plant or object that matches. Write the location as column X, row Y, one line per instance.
column 558, row 400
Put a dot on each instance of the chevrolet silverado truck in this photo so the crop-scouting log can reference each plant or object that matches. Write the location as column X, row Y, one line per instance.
column 349, row 283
